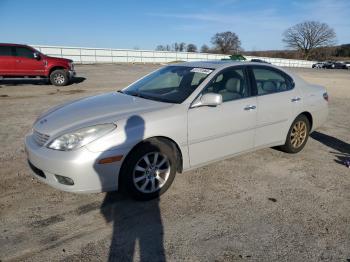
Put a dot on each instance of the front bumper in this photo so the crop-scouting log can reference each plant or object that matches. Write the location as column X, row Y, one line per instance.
column 71, row 73
column 80, row 165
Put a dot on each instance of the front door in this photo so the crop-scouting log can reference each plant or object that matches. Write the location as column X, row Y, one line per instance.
column 26, row 64
column 227, row 129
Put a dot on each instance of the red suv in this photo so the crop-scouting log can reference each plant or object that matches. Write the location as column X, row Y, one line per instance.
column 24, row 61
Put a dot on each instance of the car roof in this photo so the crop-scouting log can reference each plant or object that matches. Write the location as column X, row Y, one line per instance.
column 213, row 64
column 9, row 44
column 218, row 64
column 221, row 64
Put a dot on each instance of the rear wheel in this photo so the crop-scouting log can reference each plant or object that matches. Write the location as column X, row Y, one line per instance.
column 298, row 135
column 150, row 170
column 59, row 77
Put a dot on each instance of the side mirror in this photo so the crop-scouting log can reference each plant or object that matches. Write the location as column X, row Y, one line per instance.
column 37, row 56
column 209, row 99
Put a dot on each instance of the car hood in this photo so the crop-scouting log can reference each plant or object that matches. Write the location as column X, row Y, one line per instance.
column 58, row 59
column 105, row 108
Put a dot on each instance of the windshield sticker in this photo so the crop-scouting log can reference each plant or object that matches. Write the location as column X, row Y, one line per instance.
column 201, row 70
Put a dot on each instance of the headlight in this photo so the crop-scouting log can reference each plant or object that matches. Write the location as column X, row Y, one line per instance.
column 81, row 137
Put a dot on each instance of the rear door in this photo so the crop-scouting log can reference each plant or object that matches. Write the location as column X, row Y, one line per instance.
column 7, row 61
column 277, row 103
column 26, row 64
column 227, row 129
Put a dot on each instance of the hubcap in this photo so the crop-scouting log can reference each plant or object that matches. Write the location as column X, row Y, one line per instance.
column 298, row 134
column 59, row 78
column 151, row 172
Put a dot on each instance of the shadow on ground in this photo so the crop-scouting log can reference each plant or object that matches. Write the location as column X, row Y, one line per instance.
column 342, row 147
column 33, row 81
column 136, row 225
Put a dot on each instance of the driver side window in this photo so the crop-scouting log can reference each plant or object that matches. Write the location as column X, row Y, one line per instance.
column 24, row 52
column 231, row 84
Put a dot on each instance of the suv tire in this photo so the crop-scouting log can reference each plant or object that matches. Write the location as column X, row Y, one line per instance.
column 59, row 77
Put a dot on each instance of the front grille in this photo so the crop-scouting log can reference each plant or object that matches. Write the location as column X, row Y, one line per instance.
column 40, row 138
column 36, row 170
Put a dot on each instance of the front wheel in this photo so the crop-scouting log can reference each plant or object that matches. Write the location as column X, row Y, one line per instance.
column 59, row 77
column 150, row 170
column 298, row 135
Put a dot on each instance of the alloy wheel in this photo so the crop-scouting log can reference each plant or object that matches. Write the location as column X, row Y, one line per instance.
column 59, row 79
column 298, row 134
column 151, row 172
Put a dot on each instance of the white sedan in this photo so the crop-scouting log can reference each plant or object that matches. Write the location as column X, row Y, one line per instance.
column 177, row 118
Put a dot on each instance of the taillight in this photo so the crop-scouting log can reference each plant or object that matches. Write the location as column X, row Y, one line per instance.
column 325, row 96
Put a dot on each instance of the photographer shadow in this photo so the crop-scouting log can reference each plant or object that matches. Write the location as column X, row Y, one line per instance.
column 342, row 147
column 137, row 226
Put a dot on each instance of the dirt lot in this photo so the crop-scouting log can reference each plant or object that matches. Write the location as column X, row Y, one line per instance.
column 262, row 206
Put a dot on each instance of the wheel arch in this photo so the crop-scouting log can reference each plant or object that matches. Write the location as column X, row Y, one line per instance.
column 164, row 139
column 309, row 117
column 56, row 68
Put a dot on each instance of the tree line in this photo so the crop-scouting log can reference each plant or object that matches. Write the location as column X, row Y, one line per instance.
column 223, row 43
column 307, row 40
column 341, row 52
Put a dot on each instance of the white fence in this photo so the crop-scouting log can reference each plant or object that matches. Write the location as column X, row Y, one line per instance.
column 84, row 55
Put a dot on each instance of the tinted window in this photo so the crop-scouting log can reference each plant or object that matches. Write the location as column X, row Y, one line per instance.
column 5, row 51
column 231, row 84
column 24, row 52
column 270, row 81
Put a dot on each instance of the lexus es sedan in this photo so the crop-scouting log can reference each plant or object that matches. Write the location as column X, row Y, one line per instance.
column 177, row 118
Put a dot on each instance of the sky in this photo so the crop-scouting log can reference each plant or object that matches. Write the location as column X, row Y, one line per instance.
column 146, row 24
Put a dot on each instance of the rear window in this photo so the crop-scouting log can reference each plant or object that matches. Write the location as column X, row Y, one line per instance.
column 5, row 51
column 270, row 81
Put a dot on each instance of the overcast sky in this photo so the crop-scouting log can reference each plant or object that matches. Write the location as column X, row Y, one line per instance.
column 145, row 24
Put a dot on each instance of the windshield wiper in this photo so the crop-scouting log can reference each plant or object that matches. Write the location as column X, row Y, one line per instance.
column 135, row 94
column 148, row 97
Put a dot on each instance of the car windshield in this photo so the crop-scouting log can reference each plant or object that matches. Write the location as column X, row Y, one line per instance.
column 171, row 84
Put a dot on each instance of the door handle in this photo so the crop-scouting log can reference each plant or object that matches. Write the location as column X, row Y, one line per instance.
column 250, row 107
column 295, row 99
column 18, row 61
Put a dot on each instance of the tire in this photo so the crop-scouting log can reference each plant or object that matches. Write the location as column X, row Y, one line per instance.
column 137, row 174
column 59, row 77
column 300, row 126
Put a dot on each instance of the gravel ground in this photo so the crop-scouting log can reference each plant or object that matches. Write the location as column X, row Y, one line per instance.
column 262, row 206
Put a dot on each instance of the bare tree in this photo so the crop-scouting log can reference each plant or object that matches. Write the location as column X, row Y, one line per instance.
column 205, row 48
column 167, row 48
column 308, row 35
column 182, row 47
column 176, row 47
column 179, row 47
column 191, row 48
column 226, row 42
column 160, row 48
column 163, row 48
